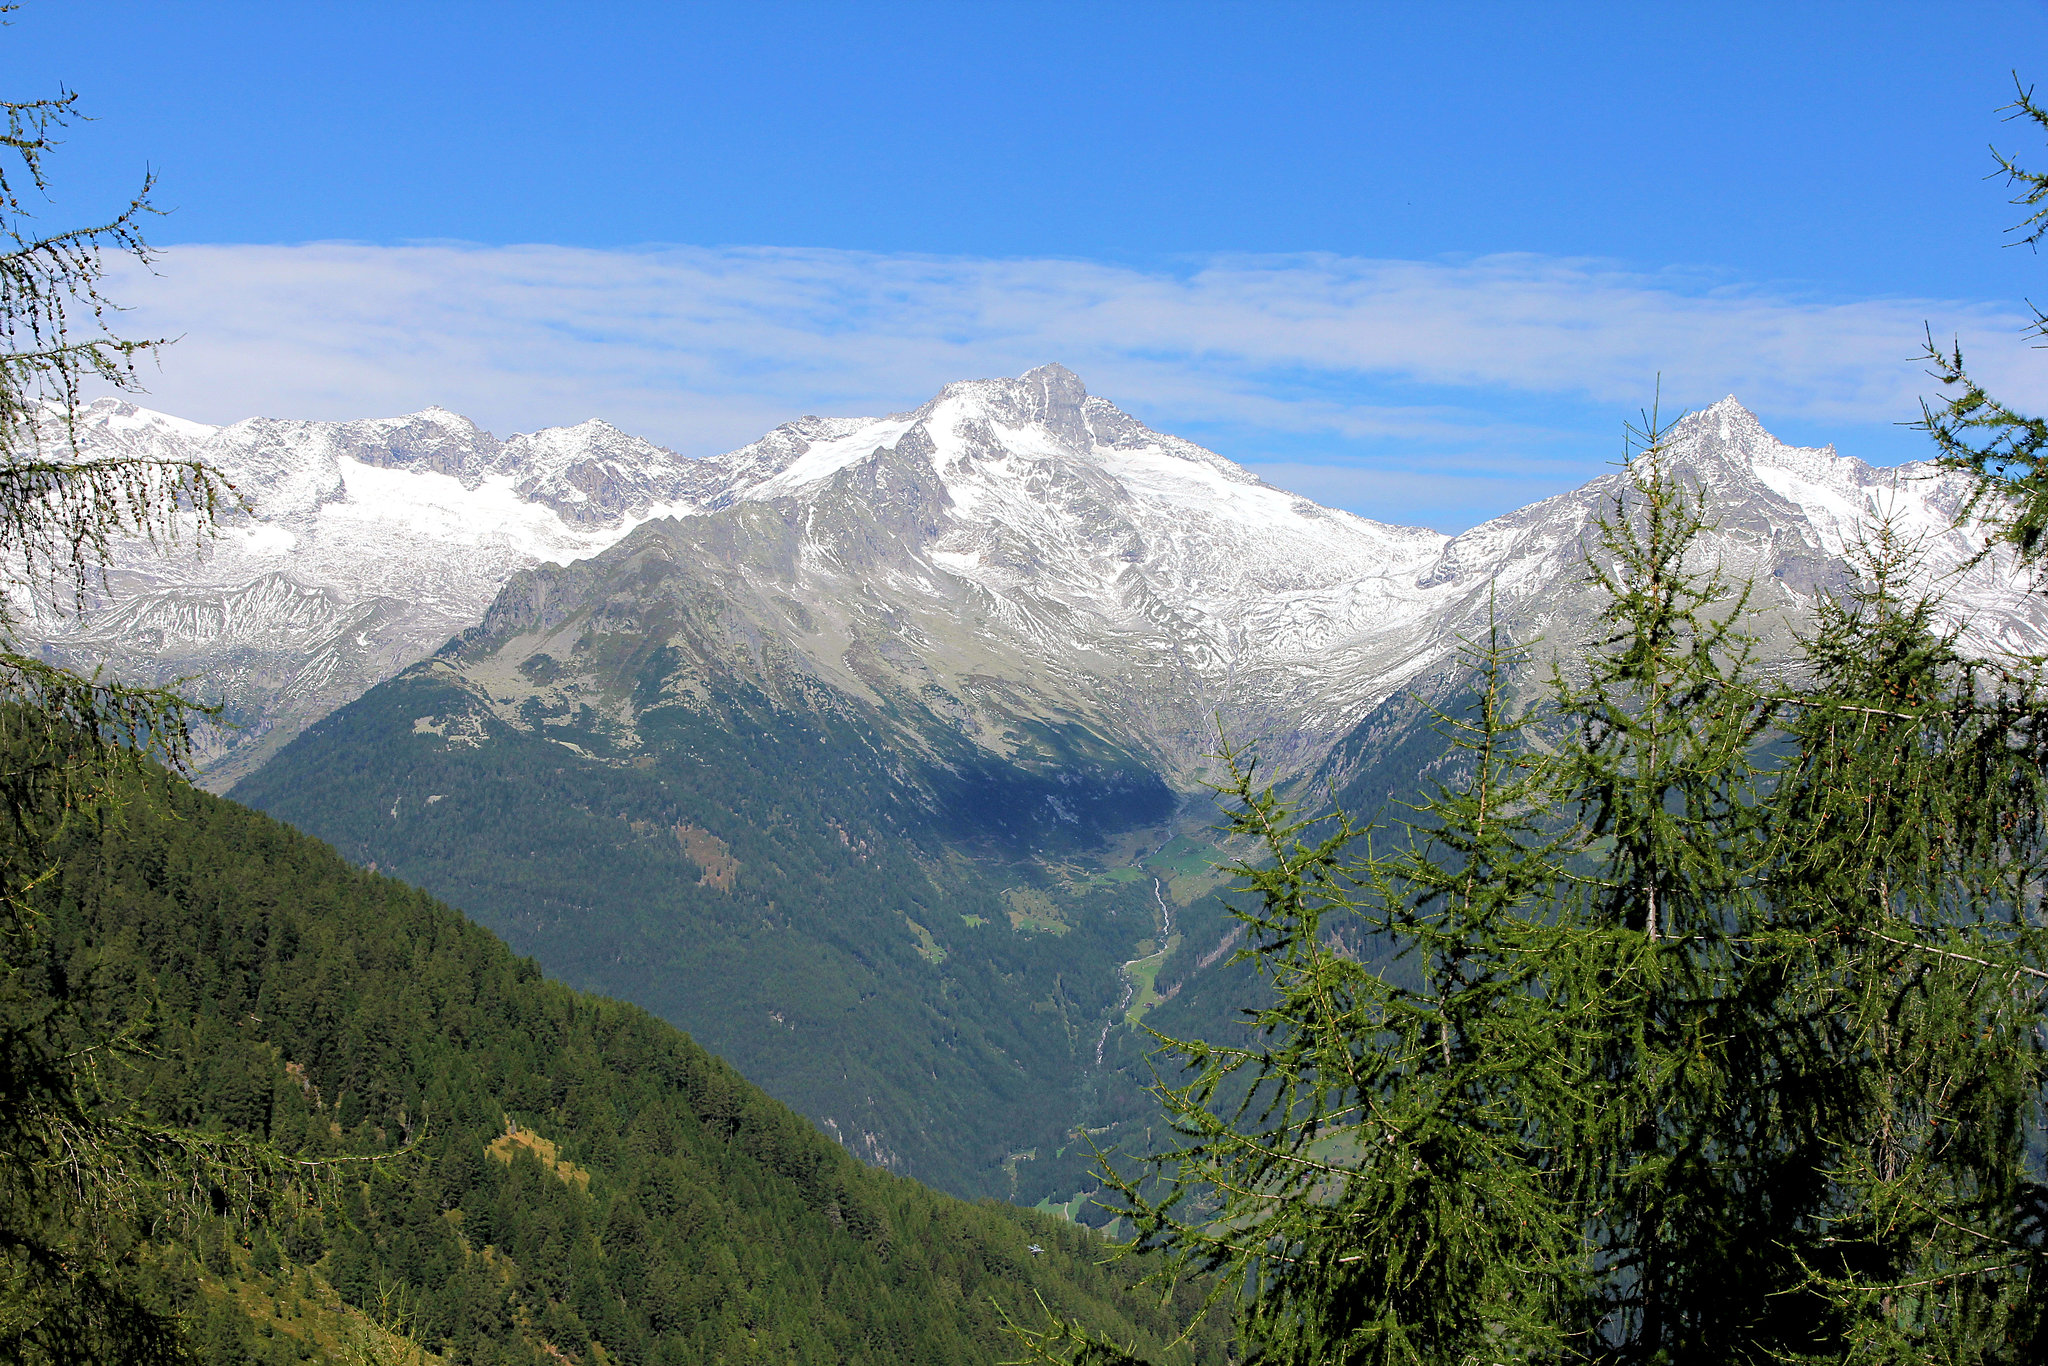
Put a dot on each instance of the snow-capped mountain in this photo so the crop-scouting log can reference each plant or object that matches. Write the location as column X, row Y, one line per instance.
column 1014, row 555
column 1788, row 521
column 844, row 765
column 1017, row 556
column 368, row 545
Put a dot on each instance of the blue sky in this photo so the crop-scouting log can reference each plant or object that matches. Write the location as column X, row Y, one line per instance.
column 1419, row 261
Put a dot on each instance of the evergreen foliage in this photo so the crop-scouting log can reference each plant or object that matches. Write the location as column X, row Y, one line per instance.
column 1369, row 1187
column 1904, row 964
column 79, row 1170
column 1689, row 1020
column 1653, row 768
column 575, row 1176
column 2002, row 448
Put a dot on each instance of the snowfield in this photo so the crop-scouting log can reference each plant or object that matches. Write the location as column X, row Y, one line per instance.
column 1020, row 530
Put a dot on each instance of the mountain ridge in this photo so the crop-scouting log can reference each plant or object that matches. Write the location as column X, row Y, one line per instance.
column 1126, row 564
column 573, row 1180
column 943, row 686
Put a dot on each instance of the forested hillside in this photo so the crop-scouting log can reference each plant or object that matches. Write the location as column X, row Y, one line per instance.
column 571, row 1178
column 761, row 871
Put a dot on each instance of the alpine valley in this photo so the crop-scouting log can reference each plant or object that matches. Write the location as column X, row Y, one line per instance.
column 872, row 754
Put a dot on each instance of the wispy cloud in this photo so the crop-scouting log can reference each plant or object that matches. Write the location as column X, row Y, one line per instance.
column 1323, row 362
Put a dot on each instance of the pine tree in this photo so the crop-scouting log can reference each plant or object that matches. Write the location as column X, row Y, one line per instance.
column 2004, row 450
column 1662, row 1058
column 1764, row 964
column 1657, row 724
column 83, row 1178
column 1907, row 954
column 1366, row 1175
column 1923, row 775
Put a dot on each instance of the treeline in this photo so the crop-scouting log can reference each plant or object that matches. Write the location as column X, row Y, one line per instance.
column 560, row 1175
column 807, row 970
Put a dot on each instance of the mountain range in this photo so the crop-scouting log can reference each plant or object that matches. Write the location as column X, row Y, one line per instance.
column 1014, row 552
column 871, row 753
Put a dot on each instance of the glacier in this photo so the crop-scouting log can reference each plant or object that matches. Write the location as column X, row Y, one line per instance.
column 1016, row 539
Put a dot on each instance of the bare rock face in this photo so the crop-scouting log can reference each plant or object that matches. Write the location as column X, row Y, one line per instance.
column 830, row 749
column 369, row 544
column 1014, row 555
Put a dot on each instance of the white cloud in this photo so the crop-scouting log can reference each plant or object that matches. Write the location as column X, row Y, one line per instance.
column 705, row 348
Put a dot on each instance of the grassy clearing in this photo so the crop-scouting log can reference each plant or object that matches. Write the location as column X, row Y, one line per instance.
column 975, row 922
column 1190, row 869
column 1065, row 1209
column 927, row 947
column 1144, row 976
column 711, row 855
column 1186, row 891
column 1079, row 881
column 296, row 1303
column 1009, row 1164
column 549, row 1156
column 1185, row 857
column 1033, row 912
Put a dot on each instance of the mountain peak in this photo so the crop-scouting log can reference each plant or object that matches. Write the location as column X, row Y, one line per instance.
column 1725, row 440
column 117, row 415
column 1051, row 370
column 1728, row 437
column 1018, row 514
column 1057, row 383
column 1727, row 421
column 1055, row 397
column 1050, row 395
column 1040, row 393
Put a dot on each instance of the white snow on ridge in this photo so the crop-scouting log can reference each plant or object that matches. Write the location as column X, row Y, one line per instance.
column 141, row 421
column 370, row 505
column 434, row 507
column 826, row 458
column 1115, row 529
column 1084, row 541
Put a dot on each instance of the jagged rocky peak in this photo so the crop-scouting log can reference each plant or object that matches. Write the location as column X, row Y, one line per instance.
column 1726, row 440
column 115, row 414
column 594, row 474
column 761, row 460
column 1016, row 528
column 433, row 439
column 1749, row 472
column 590, row 474
column 117, row 427
column 1043, row 425
column 592, row 438
column 1804, row 501
column 1051, row 397
column 1727, row 421
column 1046, row 418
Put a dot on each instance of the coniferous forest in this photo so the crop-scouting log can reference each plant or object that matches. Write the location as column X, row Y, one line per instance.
column 468, row 1156
column 1688, row 1018
column 1693, row 1008
column 258, row 1105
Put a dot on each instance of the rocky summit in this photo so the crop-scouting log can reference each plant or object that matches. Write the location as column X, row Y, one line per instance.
column 871, row 753
column 1012, row 554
